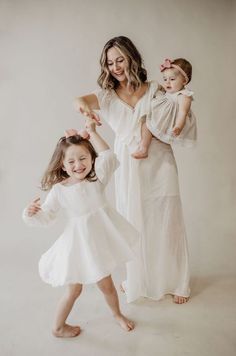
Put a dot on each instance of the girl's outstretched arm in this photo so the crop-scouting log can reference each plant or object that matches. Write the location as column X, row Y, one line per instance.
column 36, row 214
column 86, row 104
column 96, row 140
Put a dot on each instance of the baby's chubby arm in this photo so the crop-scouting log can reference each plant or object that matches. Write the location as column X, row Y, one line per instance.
column 184, row 107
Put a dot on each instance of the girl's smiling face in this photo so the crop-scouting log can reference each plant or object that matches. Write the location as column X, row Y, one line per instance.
column 77, row 162
column 173, row 80
column 117, row 64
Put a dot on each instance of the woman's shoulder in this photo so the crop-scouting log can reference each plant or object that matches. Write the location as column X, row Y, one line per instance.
column 154, row 86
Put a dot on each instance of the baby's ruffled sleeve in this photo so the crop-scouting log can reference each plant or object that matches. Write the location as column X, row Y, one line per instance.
column 187, row 92
column 48, row 213
column 105, row 165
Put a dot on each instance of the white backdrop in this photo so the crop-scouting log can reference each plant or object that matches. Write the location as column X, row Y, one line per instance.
column 50, row 53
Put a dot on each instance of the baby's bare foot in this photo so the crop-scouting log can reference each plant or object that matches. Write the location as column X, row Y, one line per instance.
column 141, row 153
column 125, row 323
column 67, row 331
column 180, row 300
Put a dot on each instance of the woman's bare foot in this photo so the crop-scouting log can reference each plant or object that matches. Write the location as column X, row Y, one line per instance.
column 141, row 153
column 125, row 323
column 180, row 300
column 67, row 331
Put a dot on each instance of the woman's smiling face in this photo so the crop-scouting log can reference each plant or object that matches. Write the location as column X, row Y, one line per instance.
column 117, row 64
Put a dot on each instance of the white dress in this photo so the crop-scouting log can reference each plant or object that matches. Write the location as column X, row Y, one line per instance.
column 96, row 238
column 147, row 194
column 162, row 118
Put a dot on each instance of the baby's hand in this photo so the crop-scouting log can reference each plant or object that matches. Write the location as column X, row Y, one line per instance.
column 176, row 131
column 34, row 207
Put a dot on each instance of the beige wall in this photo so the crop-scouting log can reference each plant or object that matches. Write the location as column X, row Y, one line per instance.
column 49, row 54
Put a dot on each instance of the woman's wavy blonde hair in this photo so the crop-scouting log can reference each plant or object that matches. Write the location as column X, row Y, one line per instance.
column 136, row 73
column 54, row 172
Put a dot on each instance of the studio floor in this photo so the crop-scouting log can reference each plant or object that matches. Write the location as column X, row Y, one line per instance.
column 205, row 326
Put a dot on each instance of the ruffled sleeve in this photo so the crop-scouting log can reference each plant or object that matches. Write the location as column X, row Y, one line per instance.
column 105, row 165
column 186, row 92
column 48, row 213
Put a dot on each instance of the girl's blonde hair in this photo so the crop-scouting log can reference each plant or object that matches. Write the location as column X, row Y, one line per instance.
column 136, row 73
column 54, row 172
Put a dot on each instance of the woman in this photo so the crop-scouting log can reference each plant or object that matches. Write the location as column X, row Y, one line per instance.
column 147, row 191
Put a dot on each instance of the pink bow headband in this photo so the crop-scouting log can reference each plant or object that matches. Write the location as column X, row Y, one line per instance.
column 74, row 132
column 168, row 63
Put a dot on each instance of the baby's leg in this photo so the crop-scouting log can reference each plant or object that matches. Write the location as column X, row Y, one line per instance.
column 107, row 287
column 60, row 328
column 146, row 138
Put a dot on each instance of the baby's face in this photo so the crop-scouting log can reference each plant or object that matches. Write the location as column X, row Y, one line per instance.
column 173, row 80
column 77, row 162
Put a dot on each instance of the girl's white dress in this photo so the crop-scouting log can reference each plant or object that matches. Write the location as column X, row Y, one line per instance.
column 147, row 194
column 96, row 238
column 162, row 118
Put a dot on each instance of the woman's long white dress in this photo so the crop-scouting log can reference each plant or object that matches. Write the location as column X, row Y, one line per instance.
column 147, row 194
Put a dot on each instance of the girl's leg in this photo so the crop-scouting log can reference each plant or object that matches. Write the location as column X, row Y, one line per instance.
column 107, row 287
column 60, row 328
column 146, row 139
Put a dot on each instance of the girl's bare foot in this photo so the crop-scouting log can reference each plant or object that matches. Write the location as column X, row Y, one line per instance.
column 180, row 300
column 125, row 323
column 67, row 331
column 140, row 154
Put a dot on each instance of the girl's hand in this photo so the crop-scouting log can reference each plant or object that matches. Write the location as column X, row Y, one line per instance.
column 34, row 207
column 91, row 114
column 90, row 125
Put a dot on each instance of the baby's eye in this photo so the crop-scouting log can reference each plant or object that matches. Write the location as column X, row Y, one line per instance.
column 165, row 79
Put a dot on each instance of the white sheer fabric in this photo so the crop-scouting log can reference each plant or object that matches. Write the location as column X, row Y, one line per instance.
column 147, row 194
column 162, row 118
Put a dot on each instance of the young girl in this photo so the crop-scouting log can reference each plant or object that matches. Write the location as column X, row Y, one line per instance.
column 96, row 238
column 170, row 118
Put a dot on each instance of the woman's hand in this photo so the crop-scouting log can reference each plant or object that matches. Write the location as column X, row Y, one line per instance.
column 34, row 207
column 86, row 104
column 92, row 115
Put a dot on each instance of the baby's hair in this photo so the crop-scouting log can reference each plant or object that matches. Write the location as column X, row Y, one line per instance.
column 185, row 66
column 54, row 172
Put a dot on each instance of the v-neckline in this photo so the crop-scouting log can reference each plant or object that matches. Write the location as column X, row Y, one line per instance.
column 128, row 105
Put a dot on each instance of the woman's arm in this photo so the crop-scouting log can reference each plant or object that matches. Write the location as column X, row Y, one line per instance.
column 86, row 104
column 184, row 107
